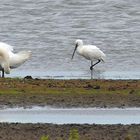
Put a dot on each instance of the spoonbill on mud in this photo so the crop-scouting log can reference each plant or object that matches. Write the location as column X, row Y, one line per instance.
column 10, row 60
column 90, row 52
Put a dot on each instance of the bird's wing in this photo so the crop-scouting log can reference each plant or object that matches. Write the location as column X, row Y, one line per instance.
column 17, row 59
column 94, row 52
column 92, row 47
column 8, row 47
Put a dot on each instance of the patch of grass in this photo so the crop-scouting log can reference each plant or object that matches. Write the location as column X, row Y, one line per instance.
column 9, row 91
column 74, row 135
column 128, row 137
column 44, row 138
column 69, row 87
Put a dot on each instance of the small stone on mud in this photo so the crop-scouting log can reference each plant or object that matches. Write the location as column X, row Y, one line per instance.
column 89, row 86
column 111, row 89
column 37, row 79
column 132, row 91
column 97, row 87
column 28, row 77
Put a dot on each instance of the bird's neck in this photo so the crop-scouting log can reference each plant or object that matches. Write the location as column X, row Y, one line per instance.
column 79, row 49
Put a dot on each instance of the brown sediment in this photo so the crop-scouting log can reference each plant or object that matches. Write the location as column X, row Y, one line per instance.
column 70, row 93
column 55, row 132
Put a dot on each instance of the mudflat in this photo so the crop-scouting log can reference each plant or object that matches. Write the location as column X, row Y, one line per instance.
column 70, row 93
column 62, row 132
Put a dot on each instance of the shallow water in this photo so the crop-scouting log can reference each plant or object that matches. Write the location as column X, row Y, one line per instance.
column 49, row 28
column 71, row 115
column 77, row 74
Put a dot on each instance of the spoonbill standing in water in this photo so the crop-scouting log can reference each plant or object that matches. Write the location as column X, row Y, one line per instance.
column 10, row 60
column 90, row 52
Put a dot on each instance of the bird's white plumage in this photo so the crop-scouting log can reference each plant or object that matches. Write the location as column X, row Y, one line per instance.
column 90, row 52
column 14, row 59
column 4, row 60
column 19, row 58
column 6, row 46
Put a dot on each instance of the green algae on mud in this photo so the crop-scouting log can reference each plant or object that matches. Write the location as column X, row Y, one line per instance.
column 70, row 93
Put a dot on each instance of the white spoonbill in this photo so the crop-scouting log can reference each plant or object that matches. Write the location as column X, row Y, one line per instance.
column 90, row 52
column 10, row 60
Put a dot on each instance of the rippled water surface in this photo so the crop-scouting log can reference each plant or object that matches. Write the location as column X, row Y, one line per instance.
column 49, row 29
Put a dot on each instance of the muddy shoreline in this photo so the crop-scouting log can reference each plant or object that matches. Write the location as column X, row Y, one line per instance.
column 55, row 132
column 70, row 93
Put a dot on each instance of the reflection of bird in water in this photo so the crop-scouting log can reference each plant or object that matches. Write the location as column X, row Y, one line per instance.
column 90, row 52
column 10, row 60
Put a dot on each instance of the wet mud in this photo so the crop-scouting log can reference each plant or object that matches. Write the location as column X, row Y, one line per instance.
column 69, row 93
column 55, row 132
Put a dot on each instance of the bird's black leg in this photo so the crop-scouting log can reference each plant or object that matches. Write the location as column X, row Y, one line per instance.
column 94, row 64
column 2, row 73
column 91, row 70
